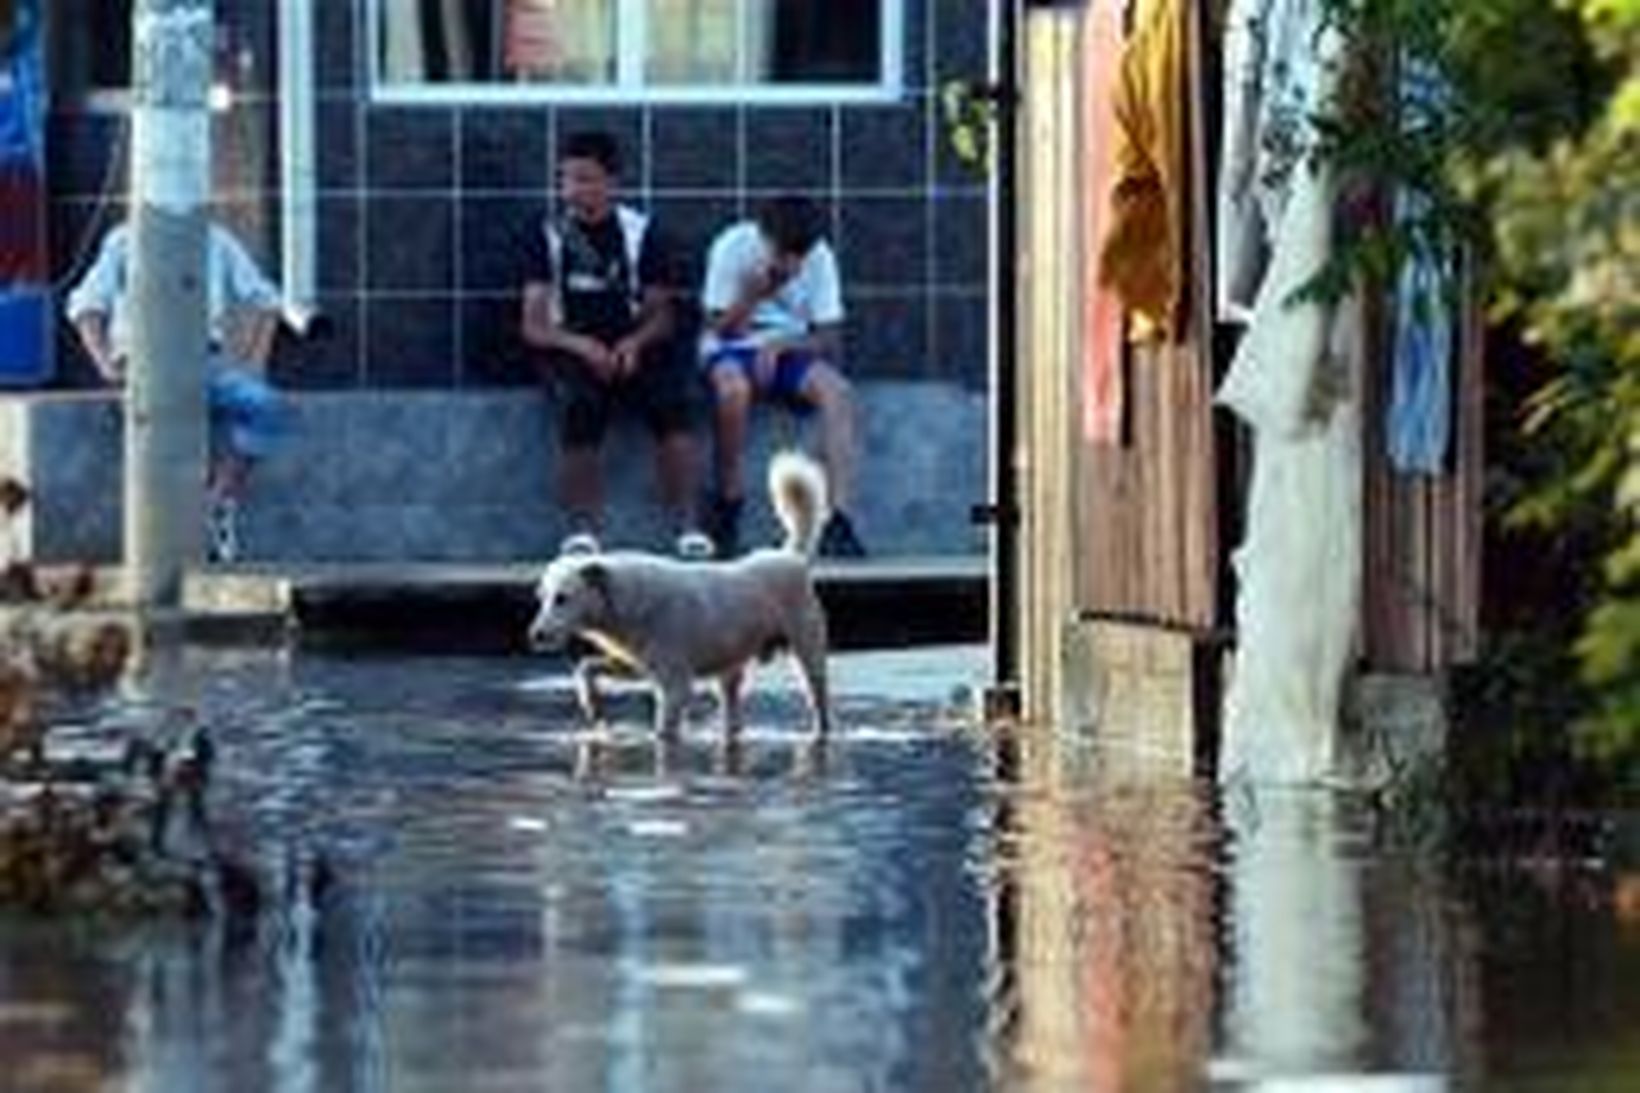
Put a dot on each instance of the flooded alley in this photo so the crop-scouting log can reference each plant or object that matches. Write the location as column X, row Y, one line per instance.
column 471, row 892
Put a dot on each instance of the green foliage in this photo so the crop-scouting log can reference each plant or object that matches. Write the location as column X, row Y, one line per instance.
column 970, row 115
column 1531, row 162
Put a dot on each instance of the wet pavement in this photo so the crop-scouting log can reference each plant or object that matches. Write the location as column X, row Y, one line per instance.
column 474, row 892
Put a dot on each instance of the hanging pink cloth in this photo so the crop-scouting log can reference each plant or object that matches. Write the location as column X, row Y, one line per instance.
column 1101, row 307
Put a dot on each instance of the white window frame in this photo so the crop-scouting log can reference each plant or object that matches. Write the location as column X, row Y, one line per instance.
column 629, row 86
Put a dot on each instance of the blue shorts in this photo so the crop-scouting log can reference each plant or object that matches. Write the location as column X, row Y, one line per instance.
column 247, row 415
column 790, row 372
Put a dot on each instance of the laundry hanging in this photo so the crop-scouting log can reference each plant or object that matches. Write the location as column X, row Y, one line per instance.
column 1294, row 381
column 1419, row 424
column 1101, row 341
column 1143, row 256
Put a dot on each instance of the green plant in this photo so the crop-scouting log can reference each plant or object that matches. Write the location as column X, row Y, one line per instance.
column 1528, row 159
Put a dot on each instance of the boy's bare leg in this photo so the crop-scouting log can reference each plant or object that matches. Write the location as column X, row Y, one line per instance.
column 677, row 463
column 826, row 389
column 731, row 415
column 229, row 478
column 581, row 485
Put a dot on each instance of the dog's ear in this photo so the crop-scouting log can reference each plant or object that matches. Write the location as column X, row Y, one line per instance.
column 596, row 575
column 13, row 495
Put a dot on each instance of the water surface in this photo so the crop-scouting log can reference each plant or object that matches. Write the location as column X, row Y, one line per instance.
column 473, row 892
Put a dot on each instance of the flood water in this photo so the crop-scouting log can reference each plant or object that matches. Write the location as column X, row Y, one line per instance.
column 477, row 894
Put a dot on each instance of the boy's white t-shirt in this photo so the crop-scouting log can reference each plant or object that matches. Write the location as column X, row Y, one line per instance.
column 813, row 296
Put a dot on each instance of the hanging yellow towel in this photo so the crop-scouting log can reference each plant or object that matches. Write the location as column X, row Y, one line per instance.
column 1143, row 257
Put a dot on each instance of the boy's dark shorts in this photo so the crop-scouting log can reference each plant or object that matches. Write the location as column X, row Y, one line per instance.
column 664, row 392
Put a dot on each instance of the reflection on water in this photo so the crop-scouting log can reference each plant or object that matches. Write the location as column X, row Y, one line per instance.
column 475, row 894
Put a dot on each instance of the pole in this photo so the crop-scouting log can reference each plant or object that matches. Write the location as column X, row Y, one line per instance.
column 165, row 402
column 298, row 163
column 1004, row 350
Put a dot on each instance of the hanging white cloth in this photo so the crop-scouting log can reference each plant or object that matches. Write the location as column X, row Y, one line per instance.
column 1295, row 381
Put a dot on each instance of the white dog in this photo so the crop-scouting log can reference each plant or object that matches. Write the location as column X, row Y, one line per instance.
column 674, row 621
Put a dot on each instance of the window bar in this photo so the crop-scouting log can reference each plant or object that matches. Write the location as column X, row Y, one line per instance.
column 631, row 43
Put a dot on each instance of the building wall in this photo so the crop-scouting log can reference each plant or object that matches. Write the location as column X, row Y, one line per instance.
column 421, row 207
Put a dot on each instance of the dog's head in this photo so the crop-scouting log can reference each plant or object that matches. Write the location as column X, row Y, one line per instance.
column 571, row 598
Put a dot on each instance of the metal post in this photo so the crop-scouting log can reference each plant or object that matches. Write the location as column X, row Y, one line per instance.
column 1004, row 349
column 165, row 411
column 298, row 162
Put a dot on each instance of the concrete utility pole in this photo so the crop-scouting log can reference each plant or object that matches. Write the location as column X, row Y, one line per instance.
column 165, row 400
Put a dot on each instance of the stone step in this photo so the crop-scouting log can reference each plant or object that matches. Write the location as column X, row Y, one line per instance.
column 477, row 608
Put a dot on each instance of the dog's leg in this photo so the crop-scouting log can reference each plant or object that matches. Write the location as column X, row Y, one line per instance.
column 587, row 673
column 671, row 700
column 729, row 688
column 809, row 643
column 589, row 758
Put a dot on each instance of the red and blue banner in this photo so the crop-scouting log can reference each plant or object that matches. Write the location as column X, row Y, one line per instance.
column 25, row 275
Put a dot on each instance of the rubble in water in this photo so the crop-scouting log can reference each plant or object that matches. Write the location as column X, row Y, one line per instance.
column 99, row 816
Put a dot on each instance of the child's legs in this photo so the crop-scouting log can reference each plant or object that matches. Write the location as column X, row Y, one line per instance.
column 247, row 420
column 731, row 416
column 825, row 388
column 666, row 392
column 584, row 404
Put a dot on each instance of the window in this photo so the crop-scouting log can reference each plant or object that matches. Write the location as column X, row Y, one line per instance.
column 684, row 49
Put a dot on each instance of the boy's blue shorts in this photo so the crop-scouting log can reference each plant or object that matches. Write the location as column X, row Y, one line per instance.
column 790, row 371
column 247, row 414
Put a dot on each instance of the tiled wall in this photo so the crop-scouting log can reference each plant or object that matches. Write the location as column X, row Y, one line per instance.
column 421, row 208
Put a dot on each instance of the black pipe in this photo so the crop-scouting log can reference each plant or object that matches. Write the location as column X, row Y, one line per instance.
column 1004, row 348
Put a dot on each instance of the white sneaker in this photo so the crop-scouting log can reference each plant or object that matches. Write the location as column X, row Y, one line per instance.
column 580, row 542
column 222, row 531
column 694, row 546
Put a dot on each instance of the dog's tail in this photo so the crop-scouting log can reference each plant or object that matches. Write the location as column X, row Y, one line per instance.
column 797, row 486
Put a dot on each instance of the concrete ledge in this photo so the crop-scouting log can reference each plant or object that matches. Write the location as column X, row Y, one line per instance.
column 466, row 476
column 454, row 608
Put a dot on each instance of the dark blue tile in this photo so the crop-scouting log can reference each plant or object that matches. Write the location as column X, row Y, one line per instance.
column 337, row 146
column 915, row 56
column 960, row 244
column 887, row 337
column 624, row 123
column 884, row 147
column 960, row 47
column 410, row 149
column 338, row 243
column 495, row 355
column 494, row 233
column 960, row 325
column 246, row 52
column 884, row 242
column 694, row 149
column 789, row 149
column 689, row 225
column 86, row 154
column 334, row 39
column 409, row 243
column 328, row 359
column 410, row 342
column 505, row 150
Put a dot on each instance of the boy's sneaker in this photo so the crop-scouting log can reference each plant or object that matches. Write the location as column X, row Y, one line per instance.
column 838, row 539
column 222, row 531
column 723, row 524
column 579, row 542
column 693, row 546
